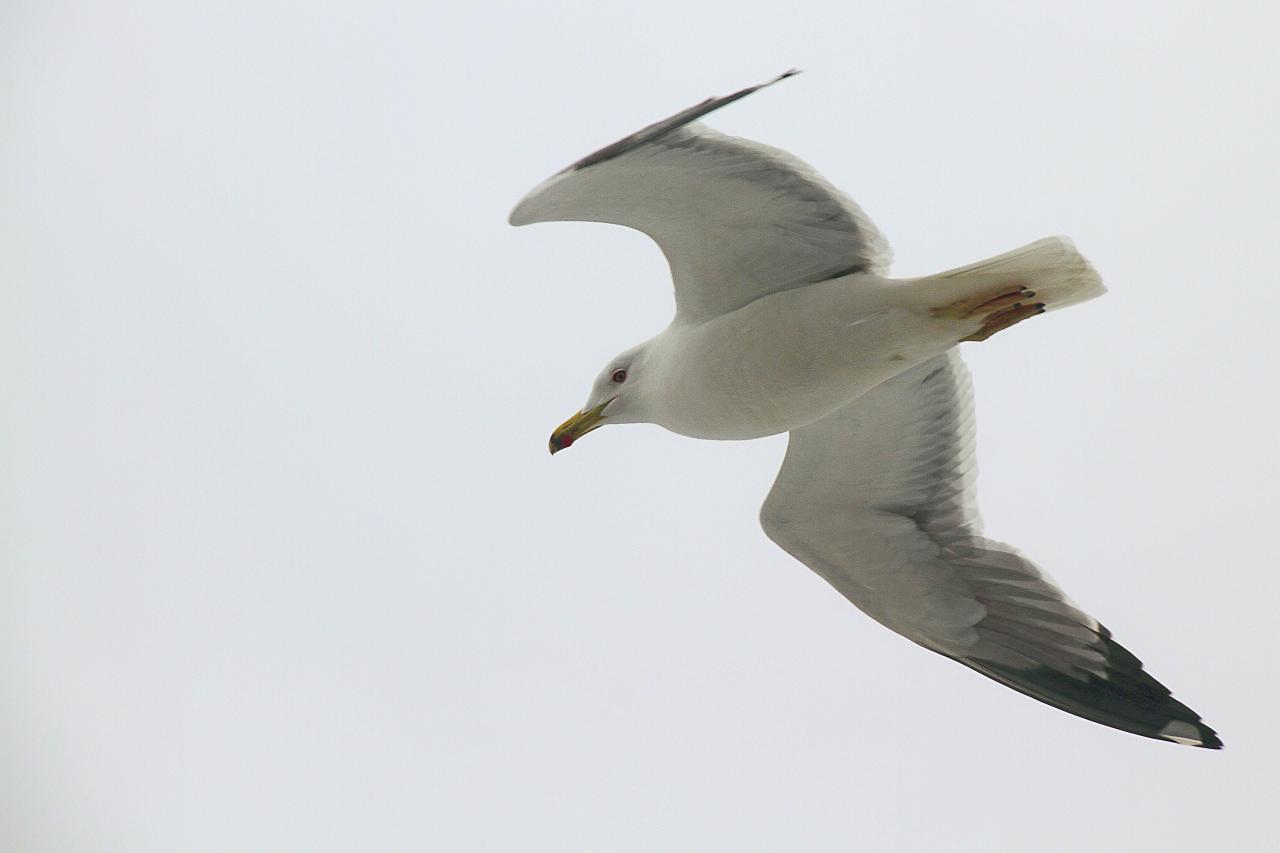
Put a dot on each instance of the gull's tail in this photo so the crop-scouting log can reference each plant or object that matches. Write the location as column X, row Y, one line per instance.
column 996, row 293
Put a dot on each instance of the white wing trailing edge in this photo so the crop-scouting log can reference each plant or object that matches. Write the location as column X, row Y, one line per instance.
column 736, row 219
column 878, row 499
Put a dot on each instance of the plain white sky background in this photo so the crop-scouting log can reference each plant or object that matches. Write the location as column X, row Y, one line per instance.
column 286, row 565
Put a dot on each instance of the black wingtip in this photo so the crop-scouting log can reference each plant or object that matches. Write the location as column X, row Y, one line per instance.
column 1126, row 698
column 790, row 72
column 659, row 129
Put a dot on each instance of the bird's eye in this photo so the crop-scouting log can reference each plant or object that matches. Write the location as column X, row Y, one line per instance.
column 619, row 375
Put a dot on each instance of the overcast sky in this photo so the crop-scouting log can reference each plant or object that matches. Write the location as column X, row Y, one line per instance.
column 284, row 562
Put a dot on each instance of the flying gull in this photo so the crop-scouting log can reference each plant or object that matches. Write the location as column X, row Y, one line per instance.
column 786, row 321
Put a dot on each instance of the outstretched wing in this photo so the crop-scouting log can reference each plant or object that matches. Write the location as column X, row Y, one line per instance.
column 878, row 498
column 736, row 219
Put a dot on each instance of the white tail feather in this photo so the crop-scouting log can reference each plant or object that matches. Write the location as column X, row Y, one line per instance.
column 1052, row 267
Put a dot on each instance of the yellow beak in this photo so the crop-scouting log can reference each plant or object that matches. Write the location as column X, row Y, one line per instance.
column 576, row 427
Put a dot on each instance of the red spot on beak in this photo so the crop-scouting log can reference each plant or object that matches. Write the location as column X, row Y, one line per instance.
column 559, row 442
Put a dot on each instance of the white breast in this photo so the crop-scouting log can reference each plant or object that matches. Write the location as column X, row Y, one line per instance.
column 787, row 359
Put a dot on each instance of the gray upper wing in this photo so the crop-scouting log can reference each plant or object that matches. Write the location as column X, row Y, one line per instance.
column 736, row 219
column 878, row 499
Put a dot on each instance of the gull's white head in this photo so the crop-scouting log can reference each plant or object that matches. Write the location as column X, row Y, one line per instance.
column 618, row 396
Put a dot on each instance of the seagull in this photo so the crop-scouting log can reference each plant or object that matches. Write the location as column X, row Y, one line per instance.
column 786, row 321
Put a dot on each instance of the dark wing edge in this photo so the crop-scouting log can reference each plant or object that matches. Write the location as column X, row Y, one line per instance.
column 1128, row 698
column 1033, row 639
column 659, row 129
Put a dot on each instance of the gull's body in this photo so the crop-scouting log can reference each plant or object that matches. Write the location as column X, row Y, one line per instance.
column 787, row 321
column 786, row 359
